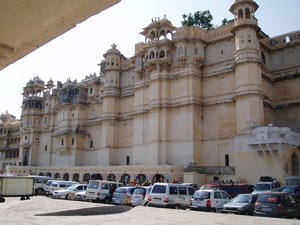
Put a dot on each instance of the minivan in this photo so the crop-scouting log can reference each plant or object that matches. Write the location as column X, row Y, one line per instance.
column 101, row 190
column 60, row 184
column 170, row 195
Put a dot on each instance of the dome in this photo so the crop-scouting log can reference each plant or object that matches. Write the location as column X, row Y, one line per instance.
column 113, row 49
column 35, row 82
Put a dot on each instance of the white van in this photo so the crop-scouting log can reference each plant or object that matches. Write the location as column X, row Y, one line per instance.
column 39, row 182
column 171, row 195
column 60, row 184
column 101, row 190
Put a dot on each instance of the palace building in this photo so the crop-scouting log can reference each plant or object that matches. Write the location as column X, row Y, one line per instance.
column 191, row 105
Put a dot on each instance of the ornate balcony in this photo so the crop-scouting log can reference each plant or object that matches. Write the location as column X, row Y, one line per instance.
column 272, row 140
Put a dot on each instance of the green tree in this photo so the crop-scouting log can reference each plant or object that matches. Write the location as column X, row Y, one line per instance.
column 200, row 19
column 224, row 22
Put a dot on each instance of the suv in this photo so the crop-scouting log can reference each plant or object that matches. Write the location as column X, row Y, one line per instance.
column 277, row 204
column 209, row 200
column 101, row 190
column 266, row 184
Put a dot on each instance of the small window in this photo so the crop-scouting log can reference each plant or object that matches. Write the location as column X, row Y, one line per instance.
column 46, row 147
column 91, row 144
column 73, row 141
column 226, row 160
column 91, row 91
column 104, row 186
column 217, row 195
column 127, row 160
column 173, row 191
column 62, row 142
column 182, row 191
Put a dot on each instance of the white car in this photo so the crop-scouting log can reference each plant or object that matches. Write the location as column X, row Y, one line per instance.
column 80, row 196
column 66, row 193
column 209, row 200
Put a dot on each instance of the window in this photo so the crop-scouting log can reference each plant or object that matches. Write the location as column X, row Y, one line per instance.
column 73, row 141
column 46, row 147
column 127, row 160
column 45, row 120
column 91, row 144
column 173, row 191
column 91, row 91
column 226, row 160
column 191, row 190
column 217, row 195
column 62, row 142
column 182, row 191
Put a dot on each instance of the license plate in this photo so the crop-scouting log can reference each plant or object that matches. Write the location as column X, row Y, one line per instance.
column 266, row 209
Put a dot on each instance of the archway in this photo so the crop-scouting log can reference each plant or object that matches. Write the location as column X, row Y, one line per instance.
column 125, row 179
column 295, row 164
column 96, row 176
column 141, row 178
column 158, row 178
column 86, row 178
column 76, row 177
column 111, row 177
column 66, row 176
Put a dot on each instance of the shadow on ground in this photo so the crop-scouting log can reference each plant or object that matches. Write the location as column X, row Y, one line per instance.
column 104, row 210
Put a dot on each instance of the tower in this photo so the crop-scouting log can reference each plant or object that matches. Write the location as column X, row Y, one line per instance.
column 111, row 97
column 248, row 89
column 31, row 121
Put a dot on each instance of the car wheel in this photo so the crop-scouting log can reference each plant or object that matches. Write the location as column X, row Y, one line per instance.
column 67, row 196
column 213, row 210
column 146, row 204
column 2, row 199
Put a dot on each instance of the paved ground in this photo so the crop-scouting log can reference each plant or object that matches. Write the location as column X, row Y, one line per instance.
column 46, row 211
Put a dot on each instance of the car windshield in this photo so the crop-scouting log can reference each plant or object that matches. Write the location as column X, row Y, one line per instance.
column 159, row 189
column 242, row 199
column 93, row 185
column 139, row 191
column 262, row 187
column 201, row 195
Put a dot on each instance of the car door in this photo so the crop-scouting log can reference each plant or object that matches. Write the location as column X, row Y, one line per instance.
column 225, row 197
column 217, row 200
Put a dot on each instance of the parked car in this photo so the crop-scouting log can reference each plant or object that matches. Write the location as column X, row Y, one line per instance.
column 140, row 196
column 266, row 184
column 170, row 195
column 80, row 196
column 209, row 200
column 47, row 187
column 39, row 182
column 242, row 204
column 277, row 204
column 60, row 184
column 294, row 190
column 101, row 190
column 69, row 192
column 122, row 196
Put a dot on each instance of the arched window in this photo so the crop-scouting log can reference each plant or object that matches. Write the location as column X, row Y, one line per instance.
column 66, row 176
column 86, row 178
column 111, row 177
column 96, row 176
column 141, row 178
column 240, row 14
column 162, row 54
column 125, row 179
column 152, row 55
column 56, row 176
column 247, row 13
column 76, row 177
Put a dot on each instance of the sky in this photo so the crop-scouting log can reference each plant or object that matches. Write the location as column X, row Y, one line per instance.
column 77, row 52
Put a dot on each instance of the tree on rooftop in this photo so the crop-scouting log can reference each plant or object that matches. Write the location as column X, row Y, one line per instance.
column 200, row 19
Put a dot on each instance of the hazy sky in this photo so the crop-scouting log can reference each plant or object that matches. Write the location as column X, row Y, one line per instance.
column 76, row 53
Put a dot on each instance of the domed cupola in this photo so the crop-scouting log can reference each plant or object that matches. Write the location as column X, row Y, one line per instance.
column 113, row 58
column 244, row 13
column 33, row 94
column 158, row 45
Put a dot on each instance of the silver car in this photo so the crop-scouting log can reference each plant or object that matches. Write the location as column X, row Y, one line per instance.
column 122, row 196
column 140, row 196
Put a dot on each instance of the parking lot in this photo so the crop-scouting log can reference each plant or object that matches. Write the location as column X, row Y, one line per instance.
column 46, row 211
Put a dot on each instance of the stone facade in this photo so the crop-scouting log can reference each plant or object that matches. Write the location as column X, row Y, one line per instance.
column 217, row 104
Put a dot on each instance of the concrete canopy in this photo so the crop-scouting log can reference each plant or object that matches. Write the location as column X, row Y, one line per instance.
column 25, row 25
